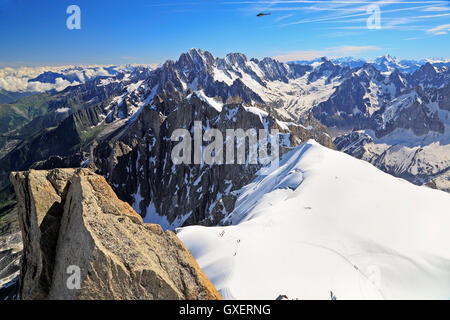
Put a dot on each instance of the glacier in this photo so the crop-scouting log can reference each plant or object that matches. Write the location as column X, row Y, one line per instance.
column 325, row 222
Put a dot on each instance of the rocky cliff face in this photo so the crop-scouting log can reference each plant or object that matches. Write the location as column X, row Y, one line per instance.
column 129, row 125
column 69, row 120
column 82, row 242
column 138, row 164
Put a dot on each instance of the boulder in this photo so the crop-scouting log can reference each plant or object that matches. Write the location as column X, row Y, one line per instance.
column 82, row 242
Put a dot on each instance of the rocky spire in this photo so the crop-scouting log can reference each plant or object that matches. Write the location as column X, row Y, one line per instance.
column 82, row 242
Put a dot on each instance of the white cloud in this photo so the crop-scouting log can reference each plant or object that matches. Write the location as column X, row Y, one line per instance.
column 16, row 79
column 439, row 30
column 281, row 18
column 335, row 52
column 333, row 18
column 437, row 9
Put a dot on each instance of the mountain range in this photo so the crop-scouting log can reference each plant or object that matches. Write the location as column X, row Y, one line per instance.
column 15, row 82
column 389, row 113
column 385, row 63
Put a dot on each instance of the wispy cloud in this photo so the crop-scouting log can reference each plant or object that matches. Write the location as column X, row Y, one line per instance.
column 400, row 15
column 437, row 9
column 414, row 38
column 439, row 30
column 335, row 52
column 335, row 2
column 281, row 18
column 401, row 23
column 337, row 17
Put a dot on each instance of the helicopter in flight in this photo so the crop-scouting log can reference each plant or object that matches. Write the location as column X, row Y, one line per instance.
column 259, row 15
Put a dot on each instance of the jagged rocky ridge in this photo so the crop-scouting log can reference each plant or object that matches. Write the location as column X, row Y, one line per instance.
column 385, row 63
column 412, row 139
column 54, row 132
column 72, row 219
column 120, row 126
column 138, row 163
column 339, row 96
column 128, row 99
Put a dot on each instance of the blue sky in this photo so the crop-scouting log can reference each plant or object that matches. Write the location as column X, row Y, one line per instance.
column 136, row 31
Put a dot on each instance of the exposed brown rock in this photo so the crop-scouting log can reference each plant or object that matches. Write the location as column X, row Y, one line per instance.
column 73, row 218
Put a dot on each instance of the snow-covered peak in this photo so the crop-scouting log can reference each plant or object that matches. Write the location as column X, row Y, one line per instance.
column 435, row 60
column 350, row 62
column 326, row 222
column 236, row 59
column 387, row 59
column 197, row 53
column 387, row 63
